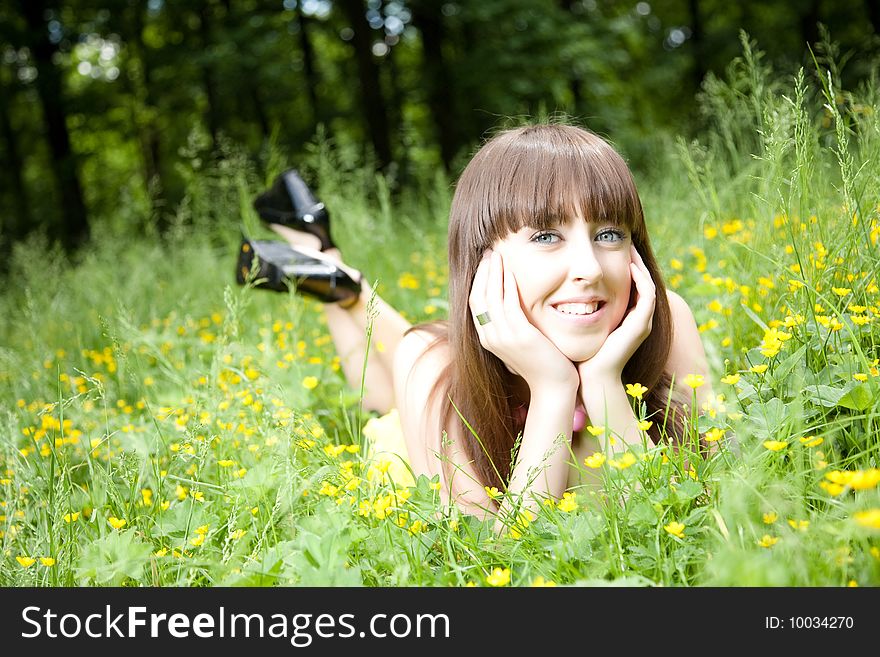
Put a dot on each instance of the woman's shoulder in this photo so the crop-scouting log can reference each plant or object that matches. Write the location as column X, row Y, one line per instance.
column 424, row 342
column 687, row 354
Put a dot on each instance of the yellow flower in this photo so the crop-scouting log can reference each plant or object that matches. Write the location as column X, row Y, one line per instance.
column 644, row 425
column 694, row 380
column 675, row 528
column 775, row 445
column 841, row 291
column 770, row 518
column 859, row 376
column 499, row 577
column 523, row 520
column 811, row 441
column 713, row 434
column 730, row 379
column 116, row 523
column 636, row 390
column 568, row 502
column 47, row 561
column 595, row 460
column 799, row 524
column 870, row 518
column 623, row 462
column 198, row 540
column 595, row 431
column 237, row 534
column 26, row 562
column 539, row 581
column 71, row 517
column 864, row 479
column 758, row 369
column 225, row 463
column 434, row 485
column 492, row 492
column 204, row 529
column 310, row 382
column 767, row 541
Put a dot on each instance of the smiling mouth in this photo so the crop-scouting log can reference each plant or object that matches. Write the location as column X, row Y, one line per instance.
column 579, row 309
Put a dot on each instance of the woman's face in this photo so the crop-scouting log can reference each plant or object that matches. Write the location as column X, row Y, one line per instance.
column 574, row 281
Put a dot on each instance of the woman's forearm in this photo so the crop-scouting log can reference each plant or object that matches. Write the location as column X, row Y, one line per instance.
column 541, row 466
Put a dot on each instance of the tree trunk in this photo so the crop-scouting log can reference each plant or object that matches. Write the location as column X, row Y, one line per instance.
column 75, row 228
column 15, row 225
column 809, row 23
column 370, row 85
column 145, row 114
column 428, row 18
column 309, row 70
column 873, row 7
column 212, row 114
column 698, row 43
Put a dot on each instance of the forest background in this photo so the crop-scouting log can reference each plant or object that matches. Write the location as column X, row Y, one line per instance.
column 104, row 105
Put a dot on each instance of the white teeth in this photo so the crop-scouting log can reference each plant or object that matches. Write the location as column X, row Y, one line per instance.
column 577, row 308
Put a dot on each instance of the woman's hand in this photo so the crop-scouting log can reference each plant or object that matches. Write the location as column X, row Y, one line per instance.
column 509, row 334
column 608, row 363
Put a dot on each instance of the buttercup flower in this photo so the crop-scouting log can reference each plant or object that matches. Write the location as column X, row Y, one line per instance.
column 636, row 390
column 775, row 445
column 767, row 541
column 498, row 577
column 694, row 380
column 116, row 523
column 567, row 503
column 870, row 518
column 675, row 528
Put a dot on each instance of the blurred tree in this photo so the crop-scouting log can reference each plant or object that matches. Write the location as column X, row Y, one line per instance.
column 427, row 17
column 15, row 219
column 74, row 229
column 373, row 102
column 310, row 71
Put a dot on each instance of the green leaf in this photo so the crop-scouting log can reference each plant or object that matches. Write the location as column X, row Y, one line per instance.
column 113, row 558
column 824, row 395
column 643, row 513
column 857, row 398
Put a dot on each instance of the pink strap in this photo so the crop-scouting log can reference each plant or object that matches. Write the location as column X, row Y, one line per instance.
column 577, row 424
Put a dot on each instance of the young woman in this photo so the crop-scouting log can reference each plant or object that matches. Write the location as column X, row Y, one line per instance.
column 556, row 302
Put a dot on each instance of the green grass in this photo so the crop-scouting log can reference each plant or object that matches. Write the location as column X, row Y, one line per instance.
column 141, row 384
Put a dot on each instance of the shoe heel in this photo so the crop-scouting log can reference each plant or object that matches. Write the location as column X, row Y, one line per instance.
column 290, row 202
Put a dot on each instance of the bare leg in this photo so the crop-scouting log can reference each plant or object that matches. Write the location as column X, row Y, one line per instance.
column 348, row 329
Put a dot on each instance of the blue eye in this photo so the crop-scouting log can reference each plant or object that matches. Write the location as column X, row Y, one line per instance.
column 545, row 238
column 610, row 235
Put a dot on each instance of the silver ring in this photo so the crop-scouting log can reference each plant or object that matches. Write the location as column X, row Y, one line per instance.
column 483, row 318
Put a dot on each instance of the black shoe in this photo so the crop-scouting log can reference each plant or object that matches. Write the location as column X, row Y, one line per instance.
column 290, row 202
column 280, row 264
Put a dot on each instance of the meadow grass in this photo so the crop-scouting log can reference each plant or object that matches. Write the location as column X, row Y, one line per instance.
column 163, row 426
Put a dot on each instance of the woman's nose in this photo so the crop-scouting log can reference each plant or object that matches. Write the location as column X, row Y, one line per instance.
column 584, row 266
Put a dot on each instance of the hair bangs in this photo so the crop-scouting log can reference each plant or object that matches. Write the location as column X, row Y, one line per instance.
column 544, row 176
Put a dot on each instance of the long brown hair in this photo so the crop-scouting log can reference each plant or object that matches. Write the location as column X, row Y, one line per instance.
column 533, row 175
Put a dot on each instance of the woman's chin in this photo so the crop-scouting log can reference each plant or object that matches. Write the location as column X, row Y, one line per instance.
column 579, row 353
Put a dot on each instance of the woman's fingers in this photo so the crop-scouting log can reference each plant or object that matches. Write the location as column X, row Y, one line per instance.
column 477, row 298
